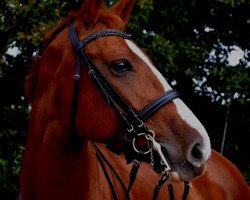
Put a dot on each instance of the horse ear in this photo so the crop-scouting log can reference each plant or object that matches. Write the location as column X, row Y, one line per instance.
column 88, row 13
column 123, row 8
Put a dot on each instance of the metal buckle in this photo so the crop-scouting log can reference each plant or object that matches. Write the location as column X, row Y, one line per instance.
column 130, row 129
column 91, row 72
column 76, row 77
column 140, row 125
column 147, row 137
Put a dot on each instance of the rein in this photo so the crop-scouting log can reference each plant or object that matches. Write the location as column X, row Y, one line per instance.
column 132, row 121
column 101, row 158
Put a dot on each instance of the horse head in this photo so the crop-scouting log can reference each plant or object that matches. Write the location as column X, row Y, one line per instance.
column 183, row 141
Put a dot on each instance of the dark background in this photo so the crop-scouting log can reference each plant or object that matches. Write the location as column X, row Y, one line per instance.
column 190, row 42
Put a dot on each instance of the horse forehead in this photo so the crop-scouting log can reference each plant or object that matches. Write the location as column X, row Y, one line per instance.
column 143, row 57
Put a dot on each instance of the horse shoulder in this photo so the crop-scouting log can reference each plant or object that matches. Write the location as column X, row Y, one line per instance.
column 222, row 180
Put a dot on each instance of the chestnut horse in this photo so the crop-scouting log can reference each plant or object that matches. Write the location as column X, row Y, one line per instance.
column 97, row 101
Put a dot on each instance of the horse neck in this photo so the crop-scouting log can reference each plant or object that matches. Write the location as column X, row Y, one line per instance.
column 62, row 171
column 88, row 173
column 94, row 183
column 100, row 181
column 56, row 165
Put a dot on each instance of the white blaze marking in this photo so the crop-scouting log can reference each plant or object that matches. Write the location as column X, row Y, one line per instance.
column 141, row 55
column 185, row 113
column 188, row 116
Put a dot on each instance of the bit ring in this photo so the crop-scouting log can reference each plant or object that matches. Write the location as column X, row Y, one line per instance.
column 148, row 137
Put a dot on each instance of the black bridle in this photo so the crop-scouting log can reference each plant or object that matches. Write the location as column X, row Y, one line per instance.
column 132, row 121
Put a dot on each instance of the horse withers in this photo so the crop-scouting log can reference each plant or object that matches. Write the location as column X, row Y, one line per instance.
column 95, row 92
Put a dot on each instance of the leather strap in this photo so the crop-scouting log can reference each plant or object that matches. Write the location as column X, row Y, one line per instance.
column 155, row 105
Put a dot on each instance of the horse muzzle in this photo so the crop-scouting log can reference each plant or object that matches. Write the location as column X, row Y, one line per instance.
column 187, row 167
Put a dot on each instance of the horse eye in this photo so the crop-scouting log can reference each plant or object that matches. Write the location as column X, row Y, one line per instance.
column 121, row 66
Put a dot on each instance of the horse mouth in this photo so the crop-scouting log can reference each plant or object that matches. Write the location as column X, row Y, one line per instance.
column 181, row 169
column 156, row 165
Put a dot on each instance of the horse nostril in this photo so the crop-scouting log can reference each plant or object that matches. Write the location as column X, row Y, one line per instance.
column 196, row 152
column 195, row 155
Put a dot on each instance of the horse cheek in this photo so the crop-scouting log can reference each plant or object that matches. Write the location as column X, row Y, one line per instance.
column 95, row 120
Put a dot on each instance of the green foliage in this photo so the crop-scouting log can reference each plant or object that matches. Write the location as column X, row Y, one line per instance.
column 10, row 169
column 12, row 139
column 190, row 41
